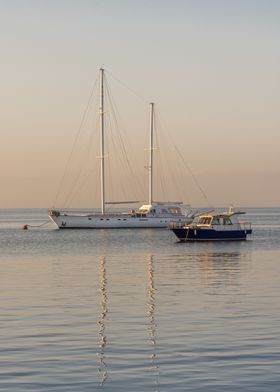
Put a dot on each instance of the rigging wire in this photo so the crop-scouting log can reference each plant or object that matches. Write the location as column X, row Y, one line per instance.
column 160, row 176
column 143, row 99
column 125, row 161
column 115, row 116
column 75, row 141
column 193, row 176
column 203, row 193
column 113, row 120
column 111, row 139
column 128, row 88
column 80, row 183
column 163, row 166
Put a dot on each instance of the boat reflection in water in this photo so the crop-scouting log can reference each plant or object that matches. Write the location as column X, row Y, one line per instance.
column 156, row 304
column 102, row 369
column 151, row 322
column 222, row 268
column 151, row 304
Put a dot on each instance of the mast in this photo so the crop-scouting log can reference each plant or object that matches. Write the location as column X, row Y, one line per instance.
column 151, row 153
column 101, row 113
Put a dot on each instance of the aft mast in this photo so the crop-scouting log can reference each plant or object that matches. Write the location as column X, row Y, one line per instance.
column 101, row 113
column 151, row 153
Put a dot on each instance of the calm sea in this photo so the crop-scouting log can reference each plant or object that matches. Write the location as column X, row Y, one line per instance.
column 133, row 310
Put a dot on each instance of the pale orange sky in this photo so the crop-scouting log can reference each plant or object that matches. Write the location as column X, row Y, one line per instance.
column 212, row 67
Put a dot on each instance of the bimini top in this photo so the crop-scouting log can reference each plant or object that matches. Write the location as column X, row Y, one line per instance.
column 222, row 218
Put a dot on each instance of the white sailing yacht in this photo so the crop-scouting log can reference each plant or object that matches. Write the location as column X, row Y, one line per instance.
column 150, row 215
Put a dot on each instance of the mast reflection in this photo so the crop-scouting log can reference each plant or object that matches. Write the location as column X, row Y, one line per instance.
column 102, row 369
column 151, row 305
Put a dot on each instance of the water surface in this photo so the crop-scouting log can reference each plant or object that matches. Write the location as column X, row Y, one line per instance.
column 133, row 310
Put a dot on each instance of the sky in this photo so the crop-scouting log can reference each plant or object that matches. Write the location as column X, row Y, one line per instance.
column 211, row 67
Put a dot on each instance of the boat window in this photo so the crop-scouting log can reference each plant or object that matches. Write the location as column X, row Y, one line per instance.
column 175, row 210
column 227, row 221
column 204, row 221
column 164, row 211
column 215, row 221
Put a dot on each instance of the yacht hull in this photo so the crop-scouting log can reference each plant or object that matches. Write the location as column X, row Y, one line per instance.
column 112, row 222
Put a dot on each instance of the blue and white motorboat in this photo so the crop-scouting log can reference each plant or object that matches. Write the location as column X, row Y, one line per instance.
column 223, row 226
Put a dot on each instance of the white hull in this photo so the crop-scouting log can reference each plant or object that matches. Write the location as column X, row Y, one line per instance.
column 114, row 221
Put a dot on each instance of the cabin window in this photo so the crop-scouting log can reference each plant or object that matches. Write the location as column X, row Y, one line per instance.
column 164, row 211
column 215, row 221
column 175, row 210
column 227, row 221
column 204, row 221
column 89, row 218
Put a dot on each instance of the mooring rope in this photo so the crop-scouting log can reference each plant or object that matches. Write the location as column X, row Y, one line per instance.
column 26, row 226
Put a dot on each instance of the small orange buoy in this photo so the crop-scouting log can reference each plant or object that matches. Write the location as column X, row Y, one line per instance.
column 25, row 227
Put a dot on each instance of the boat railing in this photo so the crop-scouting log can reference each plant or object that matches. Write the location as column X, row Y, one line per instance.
column 246, row 225
column 86, row 213
column 181, row 224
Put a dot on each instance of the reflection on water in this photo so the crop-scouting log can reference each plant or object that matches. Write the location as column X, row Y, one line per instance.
column 220, row 269
column 213, row 273
column 151, row 305
column 102, row 369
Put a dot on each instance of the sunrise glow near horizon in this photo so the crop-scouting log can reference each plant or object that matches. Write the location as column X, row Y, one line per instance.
column 211, row 67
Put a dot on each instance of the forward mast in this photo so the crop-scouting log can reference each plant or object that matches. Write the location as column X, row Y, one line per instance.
column 101, row 113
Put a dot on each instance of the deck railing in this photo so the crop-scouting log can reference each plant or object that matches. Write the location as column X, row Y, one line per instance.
column 95, row 213
column 235, row 226
column 246, row 225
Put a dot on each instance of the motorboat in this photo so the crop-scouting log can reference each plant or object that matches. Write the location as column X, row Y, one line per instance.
column 224, row 226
